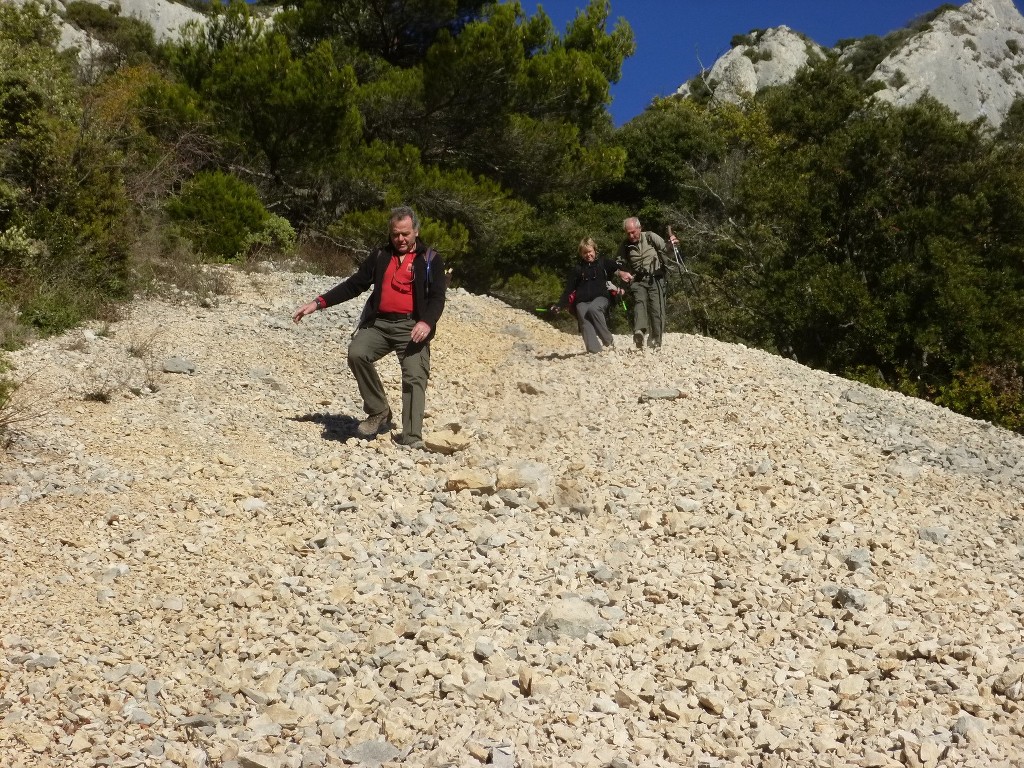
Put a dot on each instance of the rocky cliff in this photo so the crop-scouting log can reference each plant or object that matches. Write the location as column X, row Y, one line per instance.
column 701, row 556
column 766, row 58
column 970, row 58
column 165, row 17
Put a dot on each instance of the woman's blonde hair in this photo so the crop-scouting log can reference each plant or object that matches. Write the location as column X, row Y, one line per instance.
column 586, row 243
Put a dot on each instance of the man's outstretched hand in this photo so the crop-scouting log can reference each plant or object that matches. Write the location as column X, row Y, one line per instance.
column 305, row 309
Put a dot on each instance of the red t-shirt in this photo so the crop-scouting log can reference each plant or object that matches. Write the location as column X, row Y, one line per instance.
column 396, row 288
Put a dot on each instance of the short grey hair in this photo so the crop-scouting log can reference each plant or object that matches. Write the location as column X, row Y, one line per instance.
column 631, row 221
column 404, row 212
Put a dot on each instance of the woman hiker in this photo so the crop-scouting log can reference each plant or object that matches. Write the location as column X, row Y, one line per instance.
column 587, row 290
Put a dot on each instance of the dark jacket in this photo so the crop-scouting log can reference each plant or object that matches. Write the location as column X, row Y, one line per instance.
column 428, row 289
column 589, row 281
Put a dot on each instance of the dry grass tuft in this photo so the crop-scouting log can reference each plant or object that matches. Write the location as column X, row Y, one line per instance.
column 17, row 405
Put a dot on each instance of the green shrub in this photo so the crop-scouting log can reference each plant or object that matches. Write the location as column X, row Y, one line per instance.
column 538, row 288
column 17, row 249
column 756, row 55
column 748, row 39
column 219, row 213
column 701, row 91
column 18, row 404
column 7, row 384
column 7, row 389
column 132, row 39
column 91, row 17
column 867, row 374
column 989, row 392
column 277, row 236
column 53, row 308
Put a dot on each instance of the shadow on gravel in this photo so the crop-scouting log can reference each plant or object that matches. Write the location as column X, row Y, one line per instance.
column 340, row 428
column 560, row 355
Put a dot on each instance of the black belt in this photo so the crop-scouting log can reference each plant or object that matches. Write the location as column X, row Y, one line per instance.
column 393, row 316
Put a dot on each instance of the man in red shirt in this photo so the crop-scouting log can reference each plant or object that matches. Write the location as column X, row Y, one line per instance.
column 401, row 316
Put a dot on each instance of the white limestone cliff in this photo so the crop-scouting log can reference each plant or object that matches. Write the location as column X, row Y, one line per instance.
column 165, row 17
column 772, row 59
column 970, row 58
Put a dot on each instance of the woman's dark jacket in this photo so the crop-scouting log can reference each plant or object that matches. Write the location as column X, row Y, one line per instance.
column 428, row 289
column 589, row 280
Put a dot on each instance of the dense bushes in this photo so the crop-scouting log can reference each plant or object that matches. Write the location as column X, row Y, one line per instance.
column 126, row 40
column 63, row 249
column 990, row 392
column 219, row 213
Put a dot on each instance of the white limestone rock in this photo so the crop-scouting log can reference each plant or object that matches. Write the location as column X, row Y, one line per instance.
column 773, row 57
column 165, row 17
column 971, row 59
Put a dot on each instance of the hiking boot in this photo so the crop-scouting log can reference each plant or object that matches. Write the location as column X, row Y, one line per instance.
column 373, row 424
column 638, row 339
column 407, row 441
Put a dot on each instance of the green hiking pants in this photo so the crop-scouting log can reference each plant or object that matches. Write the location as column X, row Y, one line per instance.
column 648, row 297
column 371, row 344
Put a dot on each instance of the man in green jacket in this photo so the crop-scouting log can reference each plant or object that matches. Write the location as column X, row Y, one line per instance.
column 641, row 264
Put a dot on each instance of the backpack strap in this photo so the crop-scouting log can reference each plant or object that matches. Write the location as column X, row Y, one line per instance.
column 429, row 256
column 658, row 263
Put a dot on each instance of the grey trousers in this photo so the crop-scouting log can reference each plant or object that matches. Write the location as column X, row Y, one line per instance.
column 371, row 344
column 593, row 323
column 649, row 308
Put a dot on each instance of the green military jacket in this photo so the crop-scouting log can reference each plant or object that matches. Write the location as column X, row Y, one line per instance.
column 644, row 258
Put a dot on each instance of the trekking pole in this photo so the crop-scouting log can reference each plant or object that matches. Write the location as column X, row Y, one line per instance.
column 689, row 278
column 675, row 252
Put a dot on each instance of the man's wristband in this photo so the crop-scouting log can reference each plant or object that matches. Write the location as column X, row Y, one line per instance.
column 320, row 302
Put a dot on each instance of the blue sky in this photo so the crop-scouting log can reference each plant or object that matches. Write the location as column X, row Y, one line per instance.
column 674, row 37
